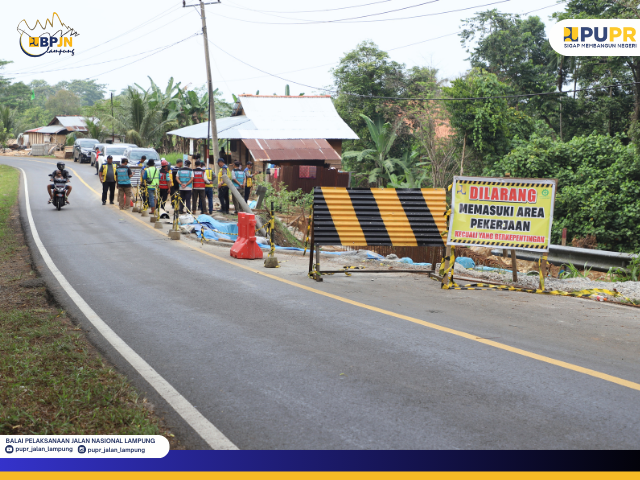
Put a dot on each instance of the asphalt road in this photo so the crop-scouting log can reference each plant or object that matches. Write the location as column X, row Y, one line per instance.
column 275, row 366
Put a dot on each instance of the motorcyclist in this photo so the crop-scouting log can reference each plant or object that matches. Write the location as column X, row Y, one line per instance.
column 66, row 175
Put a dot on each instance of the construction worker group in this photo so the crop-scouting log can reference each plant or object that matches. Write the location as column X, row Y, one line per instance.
column 191, row 187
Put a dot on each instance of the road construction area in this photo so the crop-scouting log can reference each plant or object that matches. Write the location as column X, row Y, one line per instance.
column 238, row 356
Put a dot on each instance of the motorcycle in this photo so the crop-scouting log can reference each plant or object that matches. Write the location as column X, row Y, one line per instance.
column 59, row 194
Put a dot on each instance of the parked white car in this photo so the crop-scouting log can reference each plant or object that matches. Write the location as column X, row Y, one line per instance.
column 116, row 150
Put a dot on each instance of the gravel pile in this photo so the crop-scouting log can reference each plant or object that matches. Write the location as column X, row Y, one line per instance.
column 628, row 289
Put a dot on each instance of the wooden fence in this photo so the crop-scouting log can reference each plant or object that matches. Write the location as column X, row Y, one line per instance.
column 290, row 176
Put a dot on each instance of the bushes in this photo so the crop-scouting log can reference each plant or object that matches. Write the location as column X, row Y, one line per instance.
column 598, row 185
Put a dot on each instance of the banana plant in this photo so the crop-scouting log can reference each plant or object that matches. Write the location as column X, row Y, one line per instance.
column 408, row 165
column 383, row 135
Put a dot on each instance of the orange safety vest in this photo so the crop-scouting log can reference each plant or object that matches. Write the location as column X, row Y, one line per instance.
column 165, row 180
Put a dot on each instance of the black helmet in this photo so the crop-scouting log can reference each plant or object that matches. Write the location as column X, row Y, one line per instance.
column 60, row 166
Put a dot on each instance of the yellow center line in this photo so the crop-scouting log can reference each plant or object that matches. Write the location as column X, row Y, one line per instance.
column 458, row 333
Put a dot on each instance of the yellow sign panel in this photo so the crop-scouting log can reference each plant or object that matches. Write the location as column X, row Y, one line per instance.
column 502, row 212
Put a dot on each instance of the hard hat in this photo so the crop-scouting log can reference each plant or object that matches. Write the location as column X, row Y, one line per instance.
column 164, row 163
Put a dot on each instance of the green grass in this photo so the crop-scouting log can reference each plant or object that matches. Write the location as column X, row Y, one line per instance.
column 172, row 157
column 52, row 381
column 9, row 178
column 290, row 237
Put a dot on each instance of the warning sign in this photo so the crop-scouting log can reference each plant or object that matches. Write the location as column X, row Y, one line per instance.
column 502, row 212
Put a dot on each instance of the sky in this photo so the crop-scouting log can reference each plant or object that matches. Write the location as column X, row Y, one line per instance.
column 121, row 42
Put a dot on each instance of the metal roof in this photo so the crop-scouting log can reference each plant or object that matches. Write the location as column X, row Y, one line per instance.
column 49, row 129
column 227, row 128
column 274, row 117
column 77, row 121
column 294, row 118
column 307, row 149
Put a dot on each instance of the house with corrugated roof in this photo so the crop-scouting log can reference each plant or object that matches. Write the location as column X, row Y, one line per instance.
column 57, row 130
column 288, row 132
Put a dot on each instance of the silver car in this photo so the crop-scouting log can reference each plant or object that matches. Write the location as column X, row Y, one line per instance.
column 135, row 154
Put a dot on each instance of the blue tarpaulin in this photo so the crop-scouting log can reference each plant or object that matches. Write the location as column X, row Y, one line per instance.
column 466, row 262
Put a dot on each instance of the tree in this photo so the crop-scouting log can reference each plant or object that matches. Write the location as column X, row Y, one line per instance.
column 488, row 124
column 595, row 71
column 8, row 120
column 42, row 91
column 598, row 185
column 96, row 130
column 15, row 95
column 32, row 118
column 88, row 91
column 517, row 51
column 374, row 163
column 365, row 71
column 412, row 176
column 141, row 115
column 64, row 102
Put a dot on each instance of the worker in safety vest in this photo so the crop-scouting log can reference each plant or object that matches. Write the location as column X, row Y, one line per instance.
column 185, row 180
column 175, row 187
column 108, row 179
column 223, row 190
column 123, row 176
column 237, row 178
column 248, row 181
column 142, row 189
column 199, row 182
column 152, row 180
column 165, row 182
column 209, row 174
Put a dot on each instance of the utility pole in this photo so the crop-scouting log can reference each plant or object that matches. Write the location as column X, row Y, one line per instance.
column 212, row 108
column 113, row 136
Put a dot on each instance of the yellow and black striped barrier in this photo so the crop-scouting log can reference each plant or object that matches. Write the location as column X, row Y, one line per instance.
column 408, row 217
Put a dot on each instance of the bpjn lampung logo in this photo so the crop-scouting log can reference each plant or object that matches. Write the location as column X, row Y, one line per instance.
column 52, row 37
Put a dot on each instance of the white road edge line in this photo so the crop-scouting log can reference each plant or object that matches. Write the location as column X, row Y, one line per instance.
column 209, row 433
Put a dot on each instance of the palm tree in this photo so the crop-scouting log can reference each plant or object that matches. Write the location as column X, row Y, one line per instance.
column 383, row 135
column 8, row 119
column 95, row 130
column 146, row 113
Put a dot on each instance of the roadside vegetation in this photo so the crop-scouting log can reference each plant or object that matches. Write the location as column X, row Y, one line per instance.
column 521, row 109
column 52, row 381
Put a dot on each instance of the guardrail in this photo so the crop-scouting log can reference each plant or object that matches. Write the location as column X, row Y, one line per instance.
column 600, row 260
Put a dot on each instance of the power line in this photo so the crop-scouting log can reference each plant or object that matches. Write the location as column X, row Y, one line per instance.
column 89, row 64
column 372, row 97
column 350, row 18
column 312, row 11
column 542, row 8
column 135, row 61
column 346, row 21
column 334, row 63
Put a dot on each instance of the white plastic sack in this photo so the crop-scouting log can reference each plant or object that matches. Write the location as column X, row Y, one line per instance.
column 186, row 229
column 186, row 219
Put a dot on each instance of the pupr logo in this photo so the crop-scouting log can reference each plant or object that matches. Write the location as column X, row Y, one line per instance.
column 596, row 37
column 599, row 34
column 570, row 34
column 52, row 37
